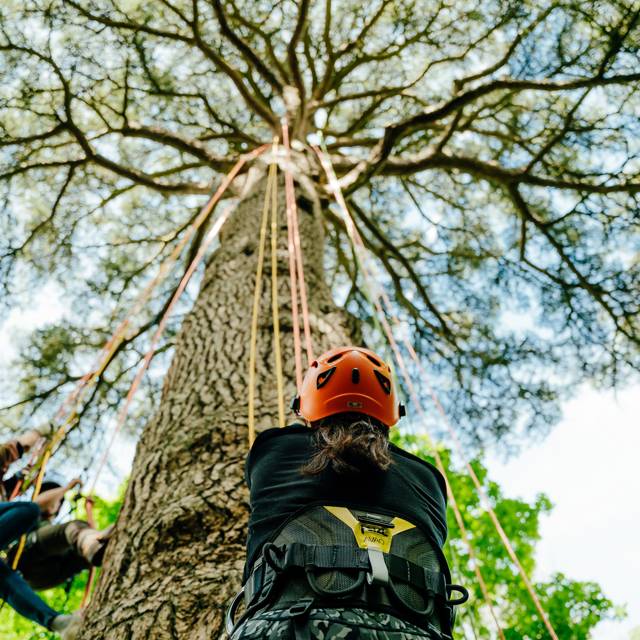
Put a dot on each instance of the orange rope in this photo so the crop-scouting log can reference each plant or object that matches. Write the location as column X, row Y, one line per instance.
column 326, row 163
column 124, row 411
column 36, row 493
column 88, row 587
column 91, row 521
column 460, row 450
column 298, row 252
column 291, row 203
column 122, row 416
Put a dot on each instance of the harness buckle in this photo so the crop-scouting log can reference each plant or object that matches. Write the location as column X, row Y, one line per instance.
column 464, row 595
column 379, row 574
column 301, row 608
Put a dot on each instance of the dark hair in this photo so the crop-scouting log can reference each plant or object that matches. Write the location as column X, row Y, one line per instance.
column 349, row 443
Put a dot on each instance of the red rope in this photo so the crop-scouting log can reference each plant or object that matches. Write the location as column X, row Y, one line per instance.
column 353, row 232
column 142, row 369
column 122, row 416
column 297, row 248
column 291, row 203
column 119, row 334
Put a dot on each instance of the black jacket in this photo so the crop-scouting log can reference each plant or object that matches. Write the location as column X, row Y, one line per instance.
column 411, row 488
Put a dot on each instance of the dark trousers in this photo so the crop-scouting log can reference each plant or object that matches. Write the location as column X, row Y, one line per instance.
column 16, row 519
column 51, row 555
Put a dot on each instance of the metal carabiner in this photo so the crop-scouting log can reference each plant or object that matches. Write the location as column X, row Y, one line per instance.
column 229, row 621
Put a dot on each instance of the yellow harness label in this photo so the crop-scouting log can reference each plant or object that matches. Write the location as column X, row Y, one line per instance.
column 371, row 536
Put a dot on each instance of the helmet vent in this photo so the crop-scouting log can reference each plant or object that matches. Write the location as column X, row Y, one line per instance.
column 385, row 383
column 376, row 362
column 323, row 377
column 355, row 375
column 335, row 358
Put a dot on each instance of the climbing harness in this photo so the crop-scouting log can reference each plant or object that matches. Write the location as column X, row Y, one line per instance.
column 332, row 556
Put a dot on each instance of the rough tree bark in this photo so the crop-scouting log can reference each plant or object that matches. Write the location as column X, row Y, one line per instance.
column 178, row 553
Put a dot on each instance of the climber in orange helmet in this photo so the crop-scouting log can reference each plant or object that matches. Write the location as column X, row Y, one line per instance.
column 346, row 530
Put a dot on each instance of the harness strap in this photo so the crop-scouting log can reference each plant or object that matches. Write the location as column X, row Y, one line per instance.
column 268, row 576
column 433, row 582
column 336, row 557
column 311, row 556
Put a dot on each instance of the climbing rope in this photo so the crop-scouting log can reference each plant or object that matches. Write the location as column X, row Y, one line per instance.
column 146, row 361
column 142, row 369
column 36, row 493
column 253, row 343
column 119, row 336
column 297, row 245
column 357, row 240
column 290, row 201
column 91, row 521
column 274, row 296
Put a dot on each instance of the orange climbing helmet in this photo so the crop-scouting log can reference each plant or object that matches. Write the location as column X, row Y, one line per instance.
column 349, row 380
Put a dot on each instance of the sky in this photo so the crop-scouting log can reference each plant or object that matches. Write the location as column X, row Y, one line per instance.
column 588, row 466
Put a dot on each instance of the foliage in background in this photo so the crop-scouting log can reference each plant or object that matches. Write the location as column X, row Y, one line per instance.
column 574, row 607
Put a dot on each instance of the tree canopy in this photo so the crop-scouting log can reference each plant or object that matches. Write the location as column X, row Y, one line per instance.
column 488, row 150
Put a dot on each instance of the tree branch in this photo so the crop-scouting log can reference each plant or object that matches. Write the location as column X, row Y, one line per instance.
column 247, row 52
column 292, row 56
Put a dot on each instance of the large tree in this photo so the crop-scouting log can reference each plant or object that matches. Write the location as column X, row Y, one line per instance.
column 489, row 154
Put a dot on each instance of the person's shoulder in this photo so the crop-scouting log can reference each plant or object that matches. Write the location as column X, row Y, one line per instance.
column 281, row 435
column 293, row 437
column 421, row 463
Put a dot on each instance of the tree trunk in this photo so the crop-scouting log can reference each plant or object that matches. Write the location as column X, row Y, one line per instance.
column 177, row 556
